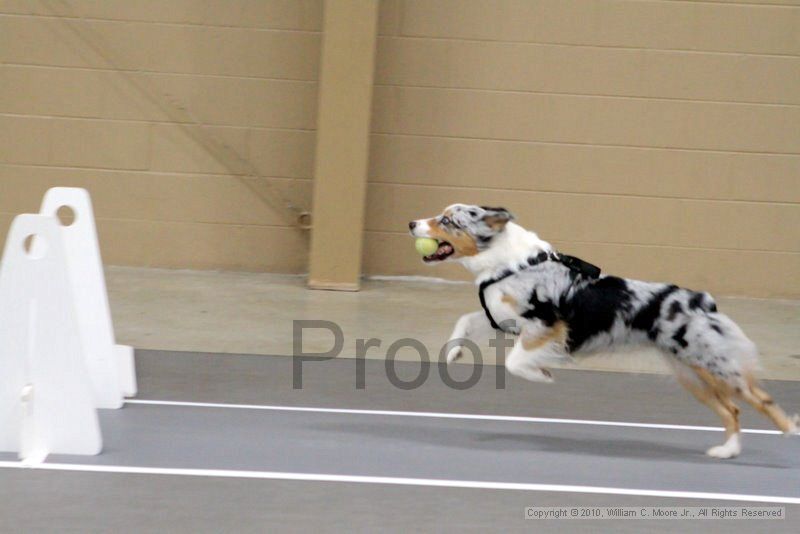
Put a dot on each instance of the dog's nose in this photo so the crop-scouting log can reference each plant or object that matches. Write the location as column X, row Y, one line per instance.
column 412, row 224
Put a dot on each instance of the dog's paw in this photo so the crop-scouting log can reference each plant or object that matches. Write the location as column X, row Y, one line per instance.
column 723, row 452
column 794, row 429
column 730, row 449
column 454, row 354
column 542, row 375
column 537, row 374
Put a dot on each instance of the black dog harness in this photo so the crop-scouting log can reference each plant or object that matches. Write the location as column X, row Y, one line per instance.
column 576, row 266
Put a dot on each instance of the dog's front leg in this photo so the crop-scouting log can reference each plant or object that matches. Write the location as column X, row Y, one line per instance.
column 537, row 346
column 473, row 326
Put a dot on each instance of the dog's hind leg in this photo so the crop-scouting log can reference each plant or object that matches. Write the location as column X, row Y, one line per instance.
column 705, row 390
column 762, row 402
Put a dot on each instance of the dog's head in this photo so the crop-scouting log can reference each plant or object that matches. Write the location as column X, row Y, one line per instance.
column 461, row 230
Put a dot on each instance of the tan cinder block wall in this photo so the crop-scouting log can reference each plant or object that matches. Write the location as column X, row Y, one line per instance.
column 246, row 68
column 659, row 139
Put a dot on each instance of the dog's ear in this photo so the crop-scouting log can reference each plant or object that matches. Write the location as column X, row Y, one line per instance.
column 496, row 218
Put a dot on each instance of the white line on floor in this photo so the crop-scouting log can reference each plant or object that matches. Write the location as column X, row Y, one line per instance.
column 431, row 482
column 439, row 415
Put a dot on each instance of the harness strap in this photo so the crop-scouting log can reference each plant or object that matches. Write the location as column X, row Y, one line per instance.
column 577, row 265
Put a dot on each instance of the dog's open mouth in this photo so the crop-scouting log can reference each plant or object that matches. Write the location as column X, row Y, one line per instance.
column 445, row 249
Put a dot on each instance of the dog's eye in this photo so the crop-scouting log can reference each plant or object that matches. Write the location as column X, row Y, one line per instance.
column 445, row 221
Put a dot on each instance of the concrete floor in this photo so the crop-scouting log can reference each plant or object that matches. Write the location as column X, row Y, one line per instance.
column 162, row 436
column 143, row 504
column 97, row 494
column 253, row 313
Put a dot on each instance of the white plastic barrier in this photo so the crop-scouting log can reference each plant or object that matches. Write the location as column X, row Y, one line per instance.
column 58, row 357
column 46, row 400
column 111, row 366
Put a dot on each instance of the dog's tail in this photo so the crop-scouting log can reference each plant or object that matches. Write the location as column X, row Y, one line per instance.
column 741, row 352
column 719, row 346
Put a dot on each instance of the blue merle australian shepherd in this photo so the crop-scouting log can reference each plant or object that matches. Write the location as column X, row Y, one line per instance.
column 559, row 305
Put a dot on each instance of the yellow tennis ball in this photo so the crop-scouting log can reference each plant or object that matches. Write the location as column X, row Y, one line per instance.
column 426, row 246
